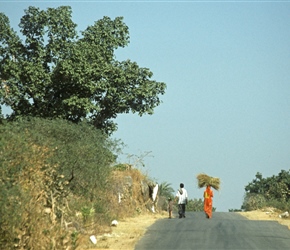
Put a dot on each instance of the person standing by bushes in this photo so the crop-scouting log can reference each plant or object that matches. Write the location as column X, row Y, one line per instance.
column 182, row 197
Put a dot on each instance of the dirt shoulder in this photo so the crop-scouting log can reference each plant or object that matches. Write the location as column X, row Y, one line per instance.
column 266, row 214
column 127, row 233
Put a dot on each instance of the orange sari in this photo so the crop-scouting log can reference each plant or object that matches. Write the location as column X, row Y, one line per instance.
column 208, row 194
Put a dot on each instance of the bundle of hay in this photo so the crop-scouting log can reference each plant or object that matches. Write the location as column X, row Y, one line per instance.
column 215, row 183
column 205, row 180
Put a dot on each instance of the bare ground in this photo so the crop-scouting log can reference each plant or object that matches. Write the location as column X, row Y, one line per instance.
column 267, row 214
column 127, row 233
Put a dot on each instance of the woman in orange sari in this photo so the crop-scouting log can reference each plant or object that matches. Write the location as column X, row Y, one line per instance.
column 207, row 195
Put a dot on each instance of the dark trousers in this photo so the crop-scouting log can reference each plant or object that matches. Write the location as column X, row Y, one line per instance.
column 181, row 210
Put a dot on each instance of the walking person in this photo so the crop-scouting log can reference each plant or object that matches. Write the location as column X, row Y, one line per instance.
column 182, row 200
column 208, row 195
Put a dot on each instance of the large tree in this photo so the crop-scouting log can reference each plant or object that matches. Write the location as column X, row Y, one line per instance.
column 55, row 73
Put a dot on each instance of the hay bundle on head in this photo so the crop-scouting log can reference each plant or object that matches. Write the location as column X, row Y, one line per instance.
column 215, row 183
column 205, row 180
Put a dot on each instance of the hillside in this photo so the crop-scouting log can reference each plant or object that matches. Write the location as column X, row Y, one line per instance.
column 59, row 184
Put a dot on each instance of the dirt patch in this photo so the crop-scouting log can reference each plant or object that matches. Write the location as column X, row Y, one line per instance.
column 267, row 214
column 127, row 233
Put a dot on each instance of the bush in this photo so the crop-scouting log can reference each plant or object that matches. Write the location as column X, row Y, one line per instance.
column 48, row 165
column 253, row 202
column 283, row 206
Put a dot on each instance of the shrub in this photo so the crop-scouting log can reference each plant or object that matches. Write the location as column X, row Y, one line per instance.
column 47, row 165
column 253, row 201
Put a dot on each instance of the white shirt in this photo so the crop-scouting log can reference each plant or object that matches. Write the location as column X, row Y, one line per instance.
column 182, row 197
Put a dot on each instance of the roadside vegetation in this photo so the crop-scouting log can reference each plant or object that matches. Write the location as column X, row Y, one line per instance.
column 60, row 183
column 51, row 169
column 271, row 191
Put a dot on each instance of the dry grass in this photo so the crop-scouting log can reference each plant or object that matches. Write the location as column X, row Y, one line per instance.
column 133, row 217
column 205, row 180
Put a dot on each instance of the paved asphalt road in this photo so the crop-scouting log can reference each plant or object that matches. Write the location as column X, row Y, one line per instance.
column 223, row 231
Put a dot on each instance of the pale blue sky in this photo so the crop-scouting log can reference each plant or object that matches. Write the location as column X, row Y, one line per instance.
column 226, row 111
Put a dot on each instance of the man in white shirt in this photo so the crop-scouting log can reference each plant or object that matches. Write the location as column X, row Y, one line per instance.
column 182, row 200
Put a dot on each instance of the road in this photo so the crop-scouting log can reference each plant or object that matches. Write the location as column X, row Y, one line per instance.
column 223, row 231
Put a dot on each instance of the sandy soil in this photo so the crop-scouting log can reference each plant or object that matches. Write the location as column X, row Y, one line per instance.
column 267, row 214
column 127, row 233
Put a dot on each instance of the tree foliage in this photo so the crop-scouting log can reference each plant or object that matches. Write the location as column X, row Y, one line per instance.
column 166, row 190
column 56, row 73
column 273, row 191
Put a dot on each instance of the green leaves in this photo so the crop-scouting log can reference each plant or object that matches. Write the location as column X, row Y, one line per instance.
column 275, row 189
column 107, row 33
column 56, row 74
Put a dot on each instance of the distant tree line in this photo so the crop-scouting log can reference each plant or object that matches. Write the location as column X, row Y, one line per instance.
column 270, row 191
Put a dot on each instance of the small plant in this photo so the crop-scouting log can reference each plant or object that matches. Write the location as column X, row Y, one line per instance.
column 74, row 237
column 138, row 210
column 87, row 212
column 45, row 232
